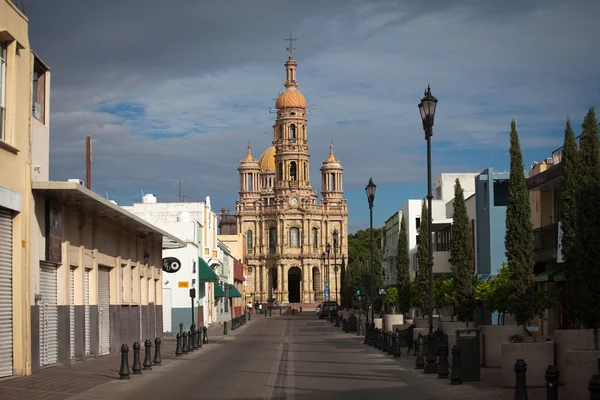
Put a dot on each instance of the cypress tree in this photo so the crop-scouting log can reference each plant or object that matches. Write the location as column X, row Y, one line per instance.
column 568, row 191
column 420, row 295
column 587, row 223
column 403, row 268
column 461, row 256
column 519, row 235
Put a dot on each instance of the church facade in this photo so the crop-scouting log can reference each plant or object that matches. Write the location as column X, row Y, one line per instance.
column 287, row 231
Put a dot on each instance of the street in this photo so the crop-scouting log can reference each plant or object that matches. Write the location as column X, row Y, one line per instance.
column 285, row 357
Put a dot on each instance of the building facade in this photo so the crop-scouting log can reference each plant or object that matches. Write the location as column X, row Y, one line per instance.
column 286, row 229
column 389, row 253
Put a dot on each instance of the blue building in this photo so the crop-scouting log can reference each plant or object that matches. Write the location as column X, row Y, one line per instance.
column 491, row 197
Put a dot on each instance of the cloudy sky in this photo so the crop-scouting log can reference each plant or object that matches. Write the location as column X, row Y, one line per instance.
column 175, row 90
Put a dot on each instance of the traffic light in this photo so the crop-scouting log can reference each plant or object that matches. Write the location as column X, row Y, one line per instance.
column 358, row 292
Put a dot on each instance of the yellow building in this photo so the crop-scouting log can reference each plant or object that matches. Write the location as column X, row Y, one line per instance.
column 286, row 230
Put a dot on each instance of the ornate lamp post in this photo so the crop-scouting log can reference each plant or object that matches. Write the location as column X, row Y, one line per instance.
column 323, row 257
column 370, row 190
column 427, row 109
column 335, row 267
column 328, row 250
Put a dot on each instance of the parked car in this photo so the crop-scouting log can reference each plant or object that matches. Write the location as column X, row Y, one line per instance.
column 319, row 309
column 329, row 308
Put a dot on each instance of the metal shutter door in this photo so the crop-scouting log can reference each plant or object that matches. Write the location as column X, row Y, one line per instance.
column 155, row 307
column 122, row 284
column 104, row 310
column 167, row 310
column 86, row 295
column 140, row 309
column 72, row 312
column 48, row 316
column 148, row 309
column 6, row 343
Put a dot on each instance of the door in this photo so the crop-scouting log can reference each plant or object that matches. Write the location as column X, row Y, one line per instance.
column 72, row 312
column 48, row 316
column 6, row 343
column 140, row 309
column 104, row 310
column 167, row 327
column 86, row 298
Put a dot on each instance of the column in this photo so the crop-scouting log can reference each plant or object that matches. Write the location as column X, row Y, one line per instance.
column 280, row 283
column 284, row 292
column 305, row 274
column 263, row 282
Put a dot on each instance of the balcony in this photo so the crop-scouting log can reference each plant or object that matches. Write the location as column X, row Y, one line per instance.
column 545, row 243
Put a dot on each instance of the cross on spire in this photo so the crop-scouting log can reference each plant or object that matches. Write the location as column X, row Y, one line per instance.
column 291, row 47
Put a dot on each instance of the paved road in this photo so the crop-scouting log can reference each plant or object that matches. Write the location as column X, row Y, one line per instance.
column 285, row 357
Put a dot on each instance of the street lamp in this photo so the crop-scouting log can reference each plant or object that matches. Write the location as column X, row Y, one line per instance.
column 323, row 257
column 335, row 267
column 427, row 109
column 370, row 190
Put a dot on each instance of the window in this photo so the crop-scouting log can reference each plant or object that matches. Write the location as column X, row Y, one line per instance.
column 294, row 237
column 418, row 222
column 501, row 193
column 3, row 46
column 293, row 170
column 335, row 241
column 314, row 238
column 122, row 284
column 39, row 92
column 249, row 182
column 280, row 171
column 272, row 238
column 292, row 131
column 249, row 241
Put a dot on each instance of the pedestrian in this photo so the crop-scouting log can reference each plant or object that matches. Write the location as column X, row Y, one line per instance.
column 250, row 307
column 260, row 308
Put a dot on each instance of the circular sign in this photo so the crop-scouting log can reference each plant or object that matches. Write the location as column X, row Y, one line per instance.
column 335, row 268
column 171, row 264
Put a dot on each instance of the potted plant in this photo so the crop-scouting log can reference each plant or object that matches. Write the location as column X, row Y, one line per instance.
column 391, row 299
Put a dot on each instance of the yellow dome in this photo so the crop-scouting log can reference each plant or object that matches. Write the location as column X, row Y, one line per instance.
column 266, row 162
column 290, row 98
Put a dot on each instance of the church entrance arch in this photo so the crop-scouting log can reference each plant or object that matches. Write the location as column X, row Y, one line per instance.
column 273, row 284
column 294, row 279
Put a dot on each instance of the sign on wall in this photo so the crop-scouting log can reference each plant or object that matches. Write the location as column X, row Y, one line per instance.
column 171, row 264
column 183, row 284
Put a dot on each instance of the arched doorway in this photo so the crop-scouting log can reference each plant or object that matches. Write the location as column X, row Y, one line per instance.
column 273, row 284
column 294, row 279
column 316, row 275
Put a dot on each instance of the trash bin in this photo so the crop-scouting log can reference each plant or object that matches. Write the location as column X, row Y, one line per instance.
column 467, row 340
column 352, row 323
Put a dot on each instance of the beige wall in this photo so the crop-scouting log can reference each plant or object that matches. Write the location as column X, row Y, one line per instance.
column 542, row 201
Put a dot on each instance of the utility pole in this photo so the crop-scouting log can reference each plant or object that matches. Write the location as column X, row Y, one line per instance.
column 88, row 162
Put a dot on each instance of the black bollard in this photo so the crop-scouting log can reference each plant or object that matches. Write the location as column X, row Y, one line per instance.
column 520, row 380
column 181, row 329
column 195, row 341
column 551, row 382
column 384, row 341
column 199, row 338
column 193, row 332
column 391, row 343
column 124, row 371
column 178, row 351
column 148, row 355
column 190, row 346
column 205, row 331
column 225, row 328
column 157, row 358
column 594, row 387
column 184, row 342
column 420, row 363
column 270, row 312
column 397, row 352
column 442, row 353
column 455, row 378
column 137, row 366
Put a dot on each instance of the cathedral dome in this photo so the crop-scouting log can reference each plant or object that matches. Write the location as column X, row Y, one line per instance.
column 266, row 162
column 291, row 98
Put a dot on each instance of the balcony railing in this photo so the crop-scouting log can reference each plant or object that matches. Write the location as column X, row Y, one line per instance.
column 557, row 154
column 545, row 238
column 441, row 246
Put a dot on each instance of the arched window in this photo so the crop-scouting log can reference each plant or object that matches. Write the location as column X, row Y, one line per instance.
column 294, row 237
column 293, row 170
column 250, row 182
column 280, row 171
column 335, row 239
column 249, row 241
column 314, row 238
column 272, row 238
column 292, row 131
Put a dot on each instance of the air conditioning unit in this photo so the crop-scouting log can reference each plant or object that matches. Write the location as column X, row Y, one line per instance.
column 37, row 110
column 76, row 181
column 549, row 160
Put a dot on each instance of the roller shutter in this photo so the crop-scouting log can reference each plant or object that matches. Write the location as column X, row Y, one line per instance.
column 48, row 316
column 86, row 295
column 72, row 312
column 140, row 309
column 104, row 310
column 6, row 243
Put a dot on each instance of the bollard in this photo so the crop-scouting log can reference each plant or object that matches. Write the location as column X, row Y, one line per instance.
column 178, row 351
column 195, row 336
column 157, row 358
column 455, row 378
column 551, row 382
column 184, row 343
column 225, row 328
column 279, row 310
column 199, row 337
column 420, row 363
column 137, row 367
column 391, row 343
column 383, row 341
column 270, row 312
column 205, row 331
column 397, row 352
column 124, row 371
column 148, row 355
column 181, row 329
column 190, row 346
column 359, row 327
column 265, row 313
column 594, row 387
column 442, row 353
column 520, row 380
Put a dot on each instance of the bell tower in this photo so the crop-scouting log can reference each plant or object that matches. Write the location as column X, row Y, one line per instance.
column 249, row 178
column 331, row 178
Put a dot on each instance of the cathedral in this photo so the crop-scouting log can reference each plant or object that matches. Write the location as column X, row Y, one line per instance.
column 287, row 231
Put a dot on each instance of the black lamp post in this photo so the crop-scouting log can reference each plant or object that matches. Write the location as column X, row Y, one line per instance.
column 335, row 267
column 323, row 257
column 328, row 250
column 427, row 109
column 370, row 189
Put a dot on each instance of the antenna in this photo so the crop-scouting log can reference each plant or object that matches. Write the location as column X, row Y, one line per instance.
column 181, row 197
column 290, row 48
column 107, row 196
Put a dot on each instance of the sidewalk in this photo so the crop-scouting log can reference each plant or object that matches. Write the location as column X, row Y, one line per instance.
column 62, row 382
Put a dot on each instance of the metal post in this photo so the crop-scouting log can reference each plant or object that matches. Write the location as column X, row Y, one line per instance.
column 430, row 366
column 157, row 357
column 124, row 371
column 137, row 367
column 184, row 343
column 520, row 380
column 190, row 346
column 455, row 376
column 178, row 351
column 442, row 352
column 335, row 270
column 328, row 285
column 551, row 382
column 148, row 355
column 371, row 266
column 594, row 387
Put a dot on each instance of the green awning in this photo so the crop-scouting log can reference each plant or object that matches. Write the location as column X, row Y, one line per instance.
column 547, row 276
column 205, row 272
column 233, row 292
column 219, row 292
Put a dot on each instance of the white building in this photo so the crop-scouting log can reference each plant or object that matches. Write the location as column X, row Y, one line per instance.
column 442, row 211
column 200, row 262
column 391, row 233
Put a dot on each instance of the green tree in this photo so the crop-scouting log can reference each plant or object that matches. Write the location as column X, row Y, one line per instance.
column 462, row 259
column 403, row 268
column 568, row 191
column 343, row 284
column 359, row 250
column 587, row 249
column 420, row 296
column 391, row 298
column 519, row 235
column 443, row 293
column 494, row 294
